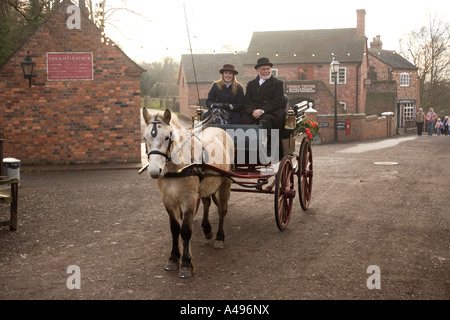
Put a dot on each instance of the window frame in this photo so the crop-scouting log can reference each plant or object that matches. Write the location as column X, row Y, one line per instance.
column 342, row 76
column 405, row 79
column 274, row 72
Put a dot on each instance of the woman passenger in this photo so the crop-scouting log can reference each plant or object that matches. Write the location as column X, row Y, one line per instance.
column 227, row 96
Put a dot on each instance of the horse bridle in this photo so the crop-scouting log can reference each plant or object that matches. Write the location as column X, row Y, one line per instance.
column 154, row 133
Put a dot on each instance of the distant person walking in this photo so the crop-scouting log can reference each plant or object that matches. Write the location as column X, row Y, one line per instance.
column 438, row 126
column 445, row 124
column 431, row 116
column 420, row 119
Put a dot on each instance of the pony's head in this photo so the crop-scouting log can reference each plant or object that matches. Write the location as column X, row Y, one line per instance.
column 158, row 141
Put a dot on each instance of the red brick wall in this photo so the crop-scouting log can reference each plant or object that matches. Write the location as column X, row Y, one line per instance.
column 414, row 84
column 347, row 92
column 66, row 122
column 385, row 72
column 362, row 128
column 189, row 96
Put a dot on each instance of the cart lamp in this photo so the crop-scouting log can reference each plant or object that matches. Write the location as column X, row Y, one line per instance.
column 197, row 117
column 290, row 122
column 28, row 67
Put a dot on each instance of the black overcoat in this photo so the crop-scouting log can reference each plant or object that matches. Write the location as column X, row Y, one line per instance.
column 268, row 97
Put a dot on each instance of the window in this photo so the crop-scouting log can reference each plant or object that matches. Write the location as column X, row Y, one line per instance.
column 305, row 73
column 343, row 105
column 408, row 111
column 274, row 72
column 301, row 74
column 342, row 76
column 404, row 80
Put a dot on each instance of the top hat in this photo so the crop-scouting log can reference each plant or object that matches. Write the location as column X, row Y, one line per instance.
column 263, row 62
column 228, row 67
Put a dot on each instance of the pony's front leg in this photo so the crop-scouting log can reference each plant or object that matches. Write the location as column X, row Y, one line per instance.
column 175, row 255
column 187, row 268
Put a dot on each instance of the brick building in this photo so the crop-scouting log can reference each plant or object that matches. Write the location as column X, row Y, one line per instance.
column 302, row 60
column 389, row 69
column 84, row 102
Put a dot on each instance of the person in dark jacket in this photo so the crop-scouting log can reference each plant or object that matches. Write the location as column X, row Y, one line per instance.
column 227, row 96
column 264, row 98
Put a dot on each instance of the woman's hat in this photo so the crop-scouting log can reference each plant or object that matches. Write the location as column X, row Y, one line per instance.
column 263, row 62
column 228, row 67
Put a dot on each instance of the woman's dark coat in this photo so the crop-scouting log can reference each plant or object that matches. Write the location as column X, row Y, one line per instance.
column 225, row 95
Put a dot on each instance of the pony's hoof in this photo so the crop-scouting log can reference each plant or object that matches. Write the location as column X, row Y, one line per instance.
column 209, row 235
column 185, row 273
column 219, row 245
column 171, row 266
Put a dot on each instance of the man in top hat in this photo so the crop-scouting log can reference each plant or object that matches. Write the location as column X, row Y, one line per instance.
column 264, row 98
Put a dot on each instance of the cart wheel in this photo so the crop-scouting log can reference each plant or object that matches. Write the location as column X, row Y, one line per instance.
column 305, row 174
column 284, row 192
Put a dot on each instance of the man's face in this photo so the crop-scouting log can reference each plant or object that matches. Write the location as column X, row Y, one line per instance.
column 264, row 72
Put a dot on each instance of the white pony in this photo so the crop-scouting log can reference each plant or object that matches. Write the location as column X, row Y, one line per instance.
column 171, row 152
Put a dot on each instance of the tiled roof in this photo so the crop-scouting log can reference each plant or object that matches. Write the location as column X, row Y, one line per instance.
column 306, row 46
column 309, row 46
column 207, row 66
column 392, row 59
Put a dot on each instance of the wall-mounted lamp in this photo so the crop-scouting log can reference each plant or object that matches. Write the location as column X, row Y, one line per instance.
column 28, row 67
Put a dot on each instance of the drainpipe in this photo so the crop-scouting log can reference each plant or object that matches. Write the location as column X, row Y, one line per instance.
column 357, row 88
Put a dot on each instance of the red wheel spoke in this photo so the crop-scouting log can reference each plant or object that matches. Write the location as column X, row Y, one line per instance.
column 305, row 173
column 284, row 191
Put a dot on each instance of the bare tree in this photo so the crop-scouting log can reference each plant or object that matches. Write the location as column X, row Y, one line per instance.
column 160, row 80
column 428, row 48
column 18, row 18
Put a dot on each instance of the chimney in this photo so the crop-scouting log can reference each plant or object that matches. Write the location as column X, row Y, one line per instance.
column 376, row 43
column 361, row 22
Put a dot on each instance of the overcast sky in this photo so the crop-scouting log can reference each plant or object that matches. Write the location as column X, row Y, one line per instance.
column 160, row 28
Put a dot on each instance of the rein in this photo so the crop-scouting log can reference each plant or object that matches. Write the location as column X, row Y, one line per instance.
column 191, row 173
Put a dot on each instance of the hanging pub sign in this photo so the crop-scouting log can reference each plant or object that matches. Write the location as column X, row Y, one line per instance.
column 70, row 66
